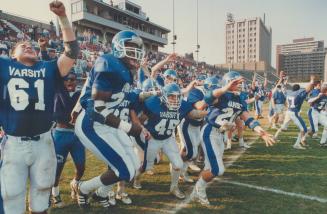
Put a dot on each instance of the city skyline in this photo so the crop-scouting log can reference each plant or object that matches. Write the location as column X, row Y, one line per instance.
column 300, row 19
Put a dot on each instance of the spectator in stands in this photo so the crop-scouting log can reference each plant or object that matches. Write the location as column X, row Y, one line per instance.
column 81, row 66
column 20, row 36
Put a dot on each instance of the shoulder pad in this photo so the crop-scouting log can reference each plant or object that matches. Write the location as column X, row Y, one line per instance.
column 106, row 63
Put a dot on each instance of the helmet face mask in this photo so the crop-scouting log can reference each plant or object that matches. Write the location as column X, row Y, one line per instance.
column 172, row 96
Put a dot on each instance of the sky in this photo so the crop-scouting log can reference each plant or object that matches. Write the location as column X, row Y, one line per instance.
column 289, row 19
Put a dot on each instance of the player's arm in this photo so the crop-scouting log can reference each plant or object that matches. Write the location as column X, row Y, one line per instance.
column 250, row 100
column 311, row 84
column 255, row 126
column 314, row 99
column 97, row 110
column 200, row 105
column 136, row 120
column 273, row 104
column 67, row 59
column 197, row 114
column 146, row 94
column 159, row 65
column 188, row 88
column 78, row 107
column 265, row 83
column 253, row 81
column 231, row 86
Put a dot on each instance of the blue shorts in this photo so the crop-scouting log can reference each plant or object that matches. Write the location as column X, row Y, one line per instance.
column 65, row 142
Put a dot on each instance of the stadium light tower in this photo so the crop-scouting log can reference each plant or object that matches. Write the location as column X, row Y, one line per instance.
column 174, row 36
column 197, row 34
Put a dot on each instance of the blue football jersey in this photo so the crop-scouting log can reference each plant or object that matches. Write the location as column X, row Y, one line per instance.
column 315, row 92
column 194, row 96
column 27, row 96
column 161, row 121
column 228, row 107
column 260, row 92
column 320, row 104
column 130, row 102
column 64, row 103
column 279, row 97
column 108, row 74
column 295, row 99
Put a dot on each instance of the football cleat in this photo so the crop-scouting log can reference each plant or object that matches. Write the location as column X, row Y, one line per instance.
column 323, row 144
column 123, row 197
column 199, row 195
column 149, row 172
column 175, row 191
column 298, row 146
column 245, row 145
column 228, row 145
column 57, row 202
column 82, row 199
column 103, row 201
column 194, row 167
column 112, row 198
column 137, row 183
column 186, row 178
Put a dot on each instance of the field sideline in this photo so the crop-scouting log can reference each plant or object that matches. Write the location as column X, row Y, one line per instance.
column 247, row 185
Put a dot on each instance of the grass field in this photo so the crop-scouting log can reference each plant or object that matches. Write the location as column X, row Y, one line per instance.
column 280, row 168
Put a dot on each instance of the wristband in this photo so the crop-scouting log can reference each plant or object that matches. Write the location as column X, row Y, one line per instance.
column 125, row 126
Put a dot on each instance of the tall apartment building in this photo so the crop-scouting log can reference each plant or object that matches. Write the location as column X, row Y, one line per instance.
column 302, row 58
column 247, row 41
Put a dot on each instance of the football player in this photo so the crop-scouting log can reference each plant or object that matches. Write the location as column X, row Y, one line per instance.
column 26, row 112
column 239, row 124
column 312, row 119
column 161, row 115
column 225, row 105
column 318, row 106
column 259, row 93
column 100, row 127
column 278, row 101
column 295, row 99
column 64, row 136
column 189, row 129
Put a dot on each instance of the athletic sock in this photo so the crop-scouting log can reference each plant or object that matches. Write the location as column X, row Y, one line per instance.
column 324, row 136
column 174, row 176
column 90, row 185
column 201, row 183
column 55, row 191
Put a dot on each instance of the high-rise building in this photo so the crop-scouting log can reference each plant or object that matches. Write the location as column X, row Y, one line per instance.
column 247, row 41
column 302, row 58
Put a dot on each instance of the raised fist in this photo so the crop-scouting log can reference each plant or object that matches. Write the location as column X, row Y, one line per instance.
column 58, row 8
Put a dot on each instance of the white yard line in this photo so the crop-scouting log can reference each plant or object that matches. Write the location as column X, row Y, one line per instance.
column 231, row 160
column 277, row 191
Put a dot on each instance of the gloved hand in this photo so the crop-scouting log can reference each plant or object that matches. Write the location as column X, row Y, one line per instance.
column 93, row 114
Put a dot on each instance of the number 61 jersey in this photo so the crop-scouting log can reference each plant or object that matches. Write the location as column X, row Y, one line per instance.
column 228, row 107
column 27, row 96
